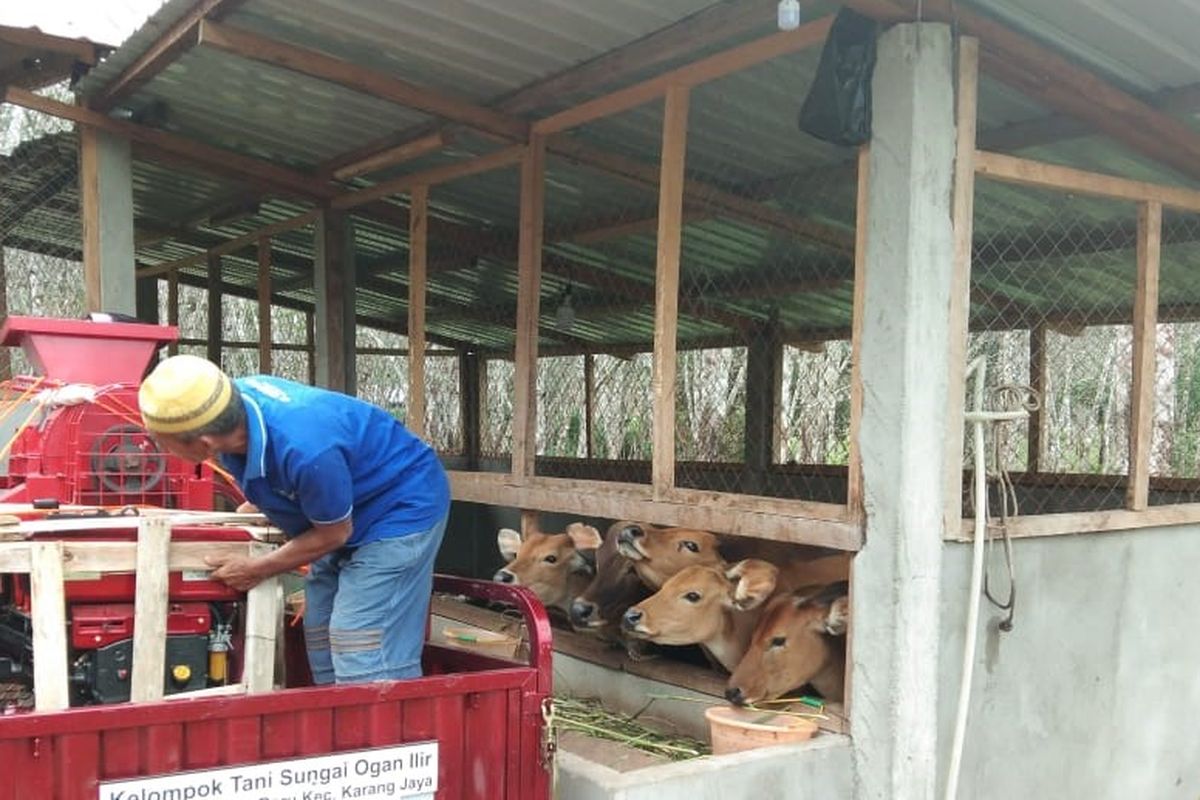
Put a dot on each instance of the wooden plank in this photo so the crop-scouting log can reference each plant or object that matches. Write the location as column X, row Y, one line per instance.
column 1145, row 337
column 825, row 524
column 963, row 219
column 150, row 610
column 264, row 605
column 589, row 403
column 5, row 352
column 33, row 39
column 264, row 305
column 716, row 66
column 49, row 610
column 666, row 286
column 529, row 280
column 393, row 156
column 286, row 180
column 89, row 215
column 418, row 246
column 498, row 159
column 177, row 39
column 229, row 690
column 1027, row 172
column 86, row 558
column 1038, row 380
column 215, row 307
column 1026, row 527
column 368, row 81
column 233, row 245
column 854, row 478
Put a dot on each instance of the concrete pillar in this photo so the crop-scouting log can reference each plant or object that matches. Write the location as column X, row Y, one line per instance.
column 106, row 199
column 905, row 360
column 335, row 288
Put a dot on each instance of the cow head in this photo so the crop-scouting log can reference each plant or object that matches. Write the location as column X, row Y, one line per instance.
column 689, row 608
column 659, row 553
column 797, row 641
column 615, row 587
column 555, row 566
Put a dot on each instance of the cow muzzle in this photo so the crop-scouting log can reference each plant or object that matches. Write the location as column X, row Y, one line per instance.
column 504, row 576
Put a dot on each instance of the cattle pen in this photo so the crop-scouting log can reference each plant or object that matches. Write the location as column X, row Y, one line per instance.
column 598, row 256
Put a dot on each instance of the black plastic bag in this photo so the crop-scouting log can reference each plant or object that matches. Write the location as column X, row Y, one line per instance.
column 838, row 106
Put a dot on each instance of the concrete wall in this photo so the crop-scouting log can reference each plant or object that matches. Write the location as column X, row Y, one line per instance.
column 1095, row 692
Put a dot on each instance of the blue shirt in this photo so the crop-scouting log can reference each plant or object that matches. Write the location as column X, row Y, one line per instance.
column 317, row 457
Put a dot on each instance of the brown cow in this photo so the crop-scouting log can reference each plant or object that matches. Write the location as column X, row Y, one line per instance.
column 800, row 639
column 616, row 586
column 556, row 566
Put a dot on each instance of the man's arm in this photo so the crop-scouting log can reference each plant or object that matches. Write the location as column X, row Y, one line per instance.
column 244, row 573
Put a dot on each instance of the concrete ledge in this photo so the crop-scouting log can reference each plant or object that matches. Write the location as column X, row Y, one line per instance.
column 820, row 769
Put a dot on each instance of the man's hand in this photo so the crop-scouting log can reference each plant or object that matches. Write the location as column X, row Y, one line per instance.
column 247, row 508
column 237, row 572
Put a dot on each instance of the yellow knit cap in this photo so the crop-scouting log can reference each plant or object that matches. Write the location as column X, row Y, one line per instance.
column 183, row 394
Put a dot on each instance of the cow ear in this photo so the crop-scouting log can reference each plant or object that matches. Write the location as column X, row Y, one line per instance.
column 509, row 542
column 838, row 619
column 754, row 581
column 583, row 561
column 585, row 537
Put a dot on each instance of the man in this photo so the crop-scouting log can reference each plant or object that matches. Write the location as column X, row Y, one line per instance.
column 360, row 498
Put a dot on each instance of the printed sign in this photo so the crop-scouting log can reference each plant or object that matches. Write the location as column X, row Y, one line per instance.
column 408, row 770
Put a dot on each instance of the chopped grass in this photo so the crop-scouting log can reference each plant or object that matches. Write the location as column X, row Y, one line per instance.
column 588, row 717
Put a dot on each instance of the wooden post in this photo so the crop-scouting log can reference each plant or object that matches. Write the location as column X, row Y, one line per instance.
column 334, row 281
column 264, row 305
column 5, row 353
column 529, row 269
column 1145, row 330
column 963, row 213
column 215, row 324
column 589, row 402
column 264, row 605
column 89, row 212
column 666, row 285
column 469, row 376
column 529, row 522
column 51, row 686
column 1036, row 437
column 418, row 248
column 173, row 307
column 310, row 344
column 763, row 389
column 150, row 610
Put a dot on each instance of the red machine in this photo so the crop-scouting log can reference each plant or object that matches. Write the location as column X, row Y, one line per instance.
column 72, row 445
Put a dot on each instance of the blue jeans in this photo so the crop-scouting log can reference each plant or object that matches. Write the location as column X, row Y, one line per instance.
column 366, row 608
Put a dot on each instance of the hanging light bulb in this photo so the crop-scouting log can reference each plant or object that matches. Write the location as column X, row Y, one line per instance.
column 564, row 317
column 789, row 15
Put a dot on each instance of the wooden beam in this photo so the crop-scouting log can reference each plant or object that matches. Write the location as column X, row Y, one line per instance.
column 666, row 287
column 802, row 522
column 700, row 194
column 368, row 81
column 89, row 216
column 264, row 305
column 1027, row 172
column 854, row 477
column 286, row 180
column 173, row 307
column 529, row 271
column 51, row 686
column 418, row 242
column 1073, row 524
column 1060, row 84
column 1036, row 436
column 497, row 159
column 707, row 69
column 963, row 219
column 1145, row 336
column 180, row 37
column 589, row 402
column 264, row 607
column 232, row 245
column 30, row 38
column 216, row 316
column 150, row 610
column 5, row 352
column 394, row 156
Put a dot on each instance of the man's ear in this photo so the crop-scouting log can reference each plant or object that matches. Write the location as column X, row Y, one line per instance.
column 509, row 542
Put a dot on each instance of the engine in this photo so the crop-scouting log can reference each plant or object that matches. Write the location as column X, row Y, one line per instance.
column 72, row 448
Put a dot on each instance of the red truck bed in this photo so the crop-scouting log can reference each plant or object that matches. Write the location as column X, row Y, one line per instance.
column 485, row 714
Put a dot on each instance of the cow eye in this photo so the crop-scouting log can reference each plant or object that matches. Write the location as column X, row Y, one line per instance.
column 778, row 641
column 551, row 559
column 690, row 545
column 692, row 597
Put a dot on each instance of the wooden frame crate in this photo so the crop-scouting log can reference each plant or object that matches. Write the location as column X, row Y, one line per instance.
column 152, row 557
